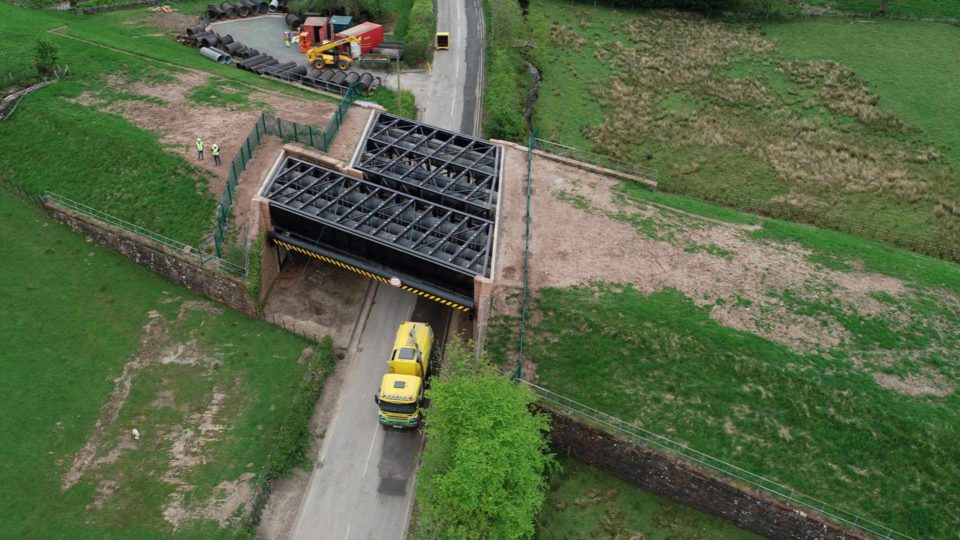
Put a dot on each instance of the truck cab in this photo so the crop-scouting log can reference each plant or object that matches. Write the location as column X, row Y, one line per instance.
column 401, row 388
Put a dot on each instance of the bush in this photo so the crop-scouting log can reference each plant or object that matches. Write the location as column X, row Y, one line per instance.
column 293, row 439
column 418, row 42
column 483, row 471
column 503, row 100
column 46, row 58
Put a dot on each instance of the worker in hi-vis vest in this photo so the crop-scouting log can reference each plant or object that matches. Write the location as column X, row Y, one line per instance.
column 215, row 152
column 199, row 148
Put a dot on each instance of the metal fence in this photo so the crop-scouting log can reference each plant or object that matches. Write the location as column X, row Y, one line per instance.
column 599, row 160
column 202, row 258
column 287, row 130
column 531, row 146
column 725, row 469
column 786, row 212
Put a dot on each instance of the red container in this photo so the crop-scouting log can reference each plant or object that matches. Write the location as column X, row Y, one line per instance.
column 370, row 34
column 313, row 32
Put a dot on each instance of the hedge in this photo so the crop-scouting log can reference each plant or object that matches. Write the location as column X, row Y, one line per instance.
column 418, row 43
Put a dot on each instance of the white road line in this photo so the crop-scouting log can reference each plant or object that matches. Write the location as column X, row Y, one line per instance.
column 348, row 533
column 376, row 432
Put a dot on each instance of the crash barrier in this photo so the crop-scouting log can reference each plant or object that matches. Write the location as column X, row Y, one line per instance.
column 736, row 476
column 825, row 220
column 287, row 130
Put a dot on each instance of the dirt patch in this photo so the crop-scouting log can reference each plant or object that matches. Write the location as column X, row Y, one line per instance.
column 174, row 23
column 916, row 385
column 749, row 285
column 180, row 121
column 350, row 133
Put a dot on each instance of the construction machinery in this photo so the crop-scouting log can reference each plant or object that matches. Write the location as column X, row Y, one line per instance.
column 330, row 54
column 401, row 390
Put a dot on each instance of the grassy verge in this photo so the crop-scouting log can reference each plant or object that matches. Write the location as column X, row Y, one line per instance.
column 224, row 370
column 419, row 34
column 809, row 421
column 763, row 116
column 585, row 502
column 946, row 9
column 506, row 75
column 404, row 104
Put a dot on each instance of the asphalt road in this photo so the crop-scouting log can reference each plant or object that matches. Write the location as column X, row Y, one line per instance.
column 455, row 87
column 362, row 485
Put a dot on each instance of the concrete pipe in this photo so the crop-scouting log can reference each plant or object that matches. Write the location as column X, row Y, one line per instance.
column 352, row 77
column 273, row 6
column 366, row 81
column 292, row 21
column 393, row 54
column 213, row 13
column 252, row 8
column 262, row 6
column 249, row 53
column 241, row 9
column 327, row 74
column 228, row 8
column 199, row 29
column 338, row 78
column 226, row 40
column 260, row 68
column 216, row 55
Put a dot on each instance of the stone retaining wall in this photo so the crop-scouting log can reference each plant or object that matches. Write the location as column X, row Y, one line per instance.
column 678, row 480
column 178, row 268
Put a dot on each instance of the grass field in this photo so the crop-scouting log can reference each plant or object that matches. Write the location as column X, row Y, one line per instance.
column 943, row 9
column 861, row 414
column 851, row 121
column 585, row 502
column 207, row 389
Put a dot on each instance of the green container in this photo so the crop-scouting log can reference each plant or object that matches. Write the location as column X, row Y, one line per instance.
column 339, row 23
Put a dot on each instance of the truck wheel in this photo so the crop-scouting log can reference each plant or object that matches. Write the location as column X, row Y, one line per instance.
column 319, row 64
column 343, row 65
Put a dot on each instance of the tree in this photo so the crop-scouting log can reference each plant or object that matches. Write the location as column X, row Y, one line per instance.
column 46, row 58
column 483, row 468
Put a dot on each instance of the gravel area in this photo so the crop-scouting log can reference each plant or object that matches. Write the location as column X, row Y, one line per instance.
column 264, row 33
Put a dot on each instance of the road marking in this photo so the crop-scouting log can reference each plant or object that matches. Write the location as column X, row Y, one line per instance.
column 376, row 432
column 348, row 533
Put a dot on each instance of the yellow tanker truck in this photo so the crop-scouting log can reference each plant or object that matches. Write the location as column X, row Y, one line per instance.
column 401, row 389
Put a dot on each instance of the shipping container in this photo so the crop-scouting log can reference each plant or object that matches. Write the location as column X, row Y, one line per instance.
column 370, row 34
column 339, row 23
column 314, row 32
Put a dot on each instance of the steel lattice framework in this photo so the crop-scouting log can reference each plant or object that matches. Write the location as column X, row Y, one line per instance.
column 437, row 165
column 391, row 218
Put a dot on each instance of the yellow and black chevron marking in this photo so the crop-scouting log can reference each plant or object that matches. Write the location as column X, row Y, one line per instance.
column 371, row 275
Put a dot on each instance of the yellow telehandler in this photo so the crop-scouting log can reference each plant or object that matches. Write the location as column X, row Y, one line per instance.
column 328, row 54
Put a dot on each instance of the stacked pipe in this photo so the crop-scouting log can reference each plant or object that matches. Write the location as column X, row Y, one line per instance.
column 252, row 7
column 228, row 8
column 241, row 9
column 259, row 69
column 199, row 29
column 249, row 53
column 273, row 6
column 226, row 40
column 351, row 78
column 292, row 21
column 262, row 6
column 366, row 81
column 213, row 12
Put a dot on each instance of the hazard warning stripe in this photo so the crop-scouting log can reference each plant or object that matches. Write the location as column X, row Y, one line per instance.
column 370, row 275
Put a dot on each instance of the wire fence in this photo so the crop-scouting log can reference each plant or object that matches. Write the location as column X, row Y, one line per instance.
column 942, row 250
column 531, row 146
column 725, row 469
column 183, row 250
column 287, row 130
column 592, row 158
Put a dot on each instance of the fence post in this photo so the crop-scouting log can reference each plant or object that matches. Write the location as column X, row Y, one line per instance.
column 279, row 127
column 295, row 136
column 310, row 131
column 249, row 151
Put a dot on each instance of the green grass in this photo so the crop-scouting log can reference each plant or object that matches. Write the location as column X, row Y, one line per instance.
column 584, row 502
column 405, row 105
column 810, row 421
column 59, row 370
column 716, row 108
column 227, row 94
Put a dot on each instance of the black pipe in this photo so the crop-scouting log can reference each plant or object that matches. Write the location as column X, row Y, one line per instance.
column 241, row 9
column 232, row 48
column 199, row 29
column 352, row 77
column 263, row 6
column 260, row 69
column 338, row 78
column 366, row 81
column 279, row 68
column 252, row 8
column 250, row 63
column 313, row 74
column 228, row 8
column 249, row 53
column 327, row 74
column 226, row 40
column 292, row 21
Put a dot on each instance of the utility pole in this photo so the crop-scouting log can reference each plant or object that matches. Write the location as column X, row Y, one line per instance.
column 398, row 84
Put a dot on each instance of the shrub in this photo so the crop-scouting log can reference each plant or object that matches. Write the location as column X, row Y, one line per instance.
column 503, row 100
column 46, row 58
column 418, row 42
column 483, row 471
